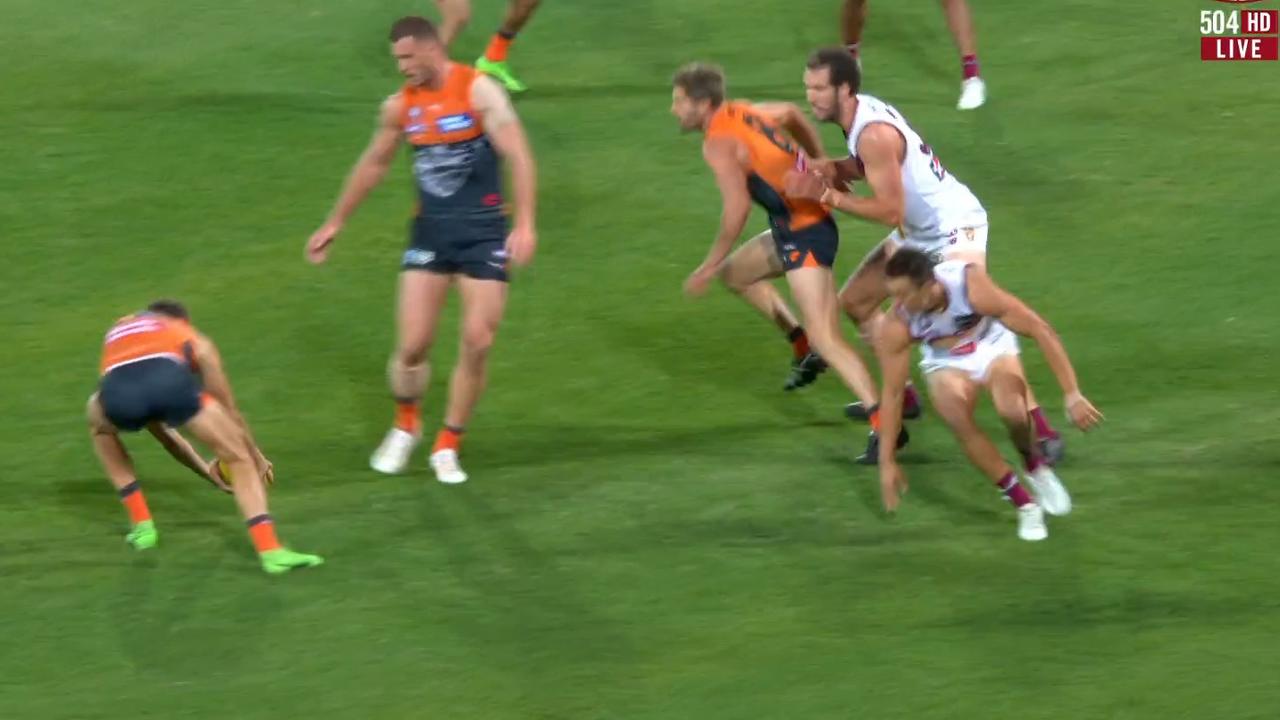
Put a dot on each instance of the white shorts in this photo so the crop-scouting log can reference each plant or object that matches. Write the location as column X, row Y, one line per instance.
column 965, row 240
column 972, row 358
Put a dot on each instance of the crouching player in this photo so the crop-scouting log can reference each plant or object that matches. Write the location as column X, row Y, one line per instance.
column 153, row 366
column 967, row 325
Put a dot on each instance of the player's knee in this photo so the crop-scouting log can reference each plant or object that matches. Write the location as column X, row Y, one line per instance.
column 234, row 449
column 1011, row 405
column 477, row 338
column 856, row 307
column 412, row 355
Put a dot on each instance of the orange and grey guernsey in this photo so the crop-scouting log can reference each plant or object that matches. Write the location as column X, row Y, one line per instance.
column 772, row 155
column 455, row 166
column 145, row 336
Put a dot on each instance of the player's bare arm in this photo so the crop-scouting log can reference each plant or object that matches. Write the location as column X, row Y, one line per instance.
column 794, row 122
column 722, row 156
column 506, row 132
column 368, row 171
column 181, row 450
column 991, row 300
column 881, row 149
column 893, row 348
column 217, row 384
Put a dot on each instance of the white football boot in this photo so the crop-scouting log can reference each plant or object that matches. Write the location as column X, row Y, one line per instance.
column 973, row 93
column 1050, row 492
column 393, row 455
column 448, row 471
column 1031, row 525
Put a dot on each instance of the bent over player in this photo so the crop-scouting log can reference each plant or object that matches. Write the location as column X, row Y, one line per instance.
column 967, row 325
column 458, row 123
column 912, row 192
column 153, row 366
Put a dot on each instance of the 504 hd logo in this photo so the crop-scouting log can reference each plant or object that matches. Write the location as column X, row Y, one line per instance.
column 1238, row 33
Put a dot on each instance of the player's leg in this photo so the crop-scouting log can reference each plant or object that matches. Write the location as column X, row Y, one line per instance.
column 422, row 296
column 119, row 468
column 1008, row 386
column 813, row 289
column 484, row 300
column 853, row 18
column 213, row 426
column 494, row 60
column 973, row 91
column 955, row 395
column 747, row 273
column 973, row 249
column 861, row 298
column 454, row 16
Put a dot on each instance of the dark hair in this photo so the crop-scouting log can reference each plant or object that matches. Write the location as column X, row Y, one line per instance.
column 413, row 26
column 701, row 81
column 841, row 64
column 912, row 264
column 169, row 308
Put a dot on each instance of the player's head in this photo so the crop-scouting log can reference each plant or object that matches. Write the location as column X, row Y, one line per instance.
column 696, row 91
column 831, row 80
column 169, row 308
column 416, row 45
column 909, row 276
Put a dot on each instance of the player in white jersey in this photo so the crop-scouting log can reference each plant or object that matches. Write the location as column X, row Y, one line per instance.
column 927, row 207
column 967, row 324
column 973, row 91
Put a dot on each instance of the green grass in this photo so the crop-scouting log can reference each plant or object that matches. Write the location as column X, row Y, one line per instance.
column 653, row 529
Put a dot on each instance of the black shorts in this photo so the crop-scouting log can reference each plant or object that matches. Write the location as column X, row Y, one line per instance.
column 475, row 248
column 813, row 246
column 147, row 391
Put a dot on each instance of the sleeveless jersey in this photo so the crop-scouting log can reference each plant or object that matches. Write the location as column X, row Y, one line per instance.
column 958, row 319
column 936, row 202
column 144, row 336
column 455, row 166
column 772, row 155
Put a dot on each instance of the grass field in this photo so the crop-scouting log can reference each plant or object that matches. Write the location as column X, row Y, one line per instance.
column 653, row 530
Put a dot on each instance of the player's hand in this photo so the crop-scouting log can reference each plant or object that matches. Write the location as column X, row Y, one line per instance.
column 805, row 185
column 1081, row 412
column 318, row 244
column 893, row 485
column 699, row 280
column 266, row 470
column 521, row 243
column 825, row 168
column 213, row 472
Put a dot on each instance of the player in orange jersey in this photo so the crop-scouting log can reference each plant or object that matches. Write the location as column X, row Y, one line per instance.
column 751, row 149
column 454, row 15
column 459, row 123
column 153, row 366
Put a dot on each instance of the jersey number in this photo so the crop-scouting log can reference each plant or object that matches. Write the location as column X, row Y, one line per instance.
column 770, row 133
column 935, row 164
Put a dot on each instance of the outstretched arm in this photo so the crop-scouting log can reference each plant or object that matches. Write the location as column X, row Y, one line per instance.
column 209, row 361
column 368, row 171
column 991, row 300
column 182, row 451
column 721, row 155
